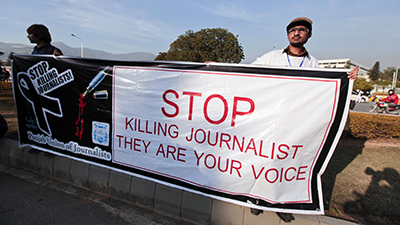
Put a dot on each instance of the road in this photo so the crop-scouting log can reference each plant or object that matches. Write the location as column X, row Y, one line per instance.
column 27, row 198
column 363, row 107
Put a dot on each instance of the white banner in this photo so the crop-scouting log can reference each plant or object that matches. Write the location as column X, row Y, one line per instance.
column 243, row 134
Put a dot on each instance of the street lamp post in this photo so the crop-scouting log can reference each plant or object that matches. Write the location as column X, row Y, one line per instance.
column 73, row 35
column 395, row 78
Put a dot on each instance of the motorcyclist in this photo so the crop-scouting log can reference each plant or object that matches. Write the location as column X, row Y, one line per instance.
column 392, row 100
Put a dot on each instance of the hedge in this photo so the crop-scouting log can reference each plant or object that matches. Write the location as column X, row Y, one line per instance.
column 5, row 86
column 374, row 126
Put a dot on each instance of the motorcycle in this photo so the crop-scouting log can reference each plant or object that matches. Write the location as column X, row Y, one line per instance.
column 380, row 107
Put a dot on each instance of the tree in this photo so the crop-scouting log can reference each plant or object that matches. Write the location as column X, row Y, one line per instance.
column 216, row 44
column 387, row 73
column 363, row 84
column 374, row 72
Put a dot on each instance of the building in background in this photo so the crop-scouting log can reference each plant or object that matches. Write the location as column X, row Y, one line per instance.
column 345, row 64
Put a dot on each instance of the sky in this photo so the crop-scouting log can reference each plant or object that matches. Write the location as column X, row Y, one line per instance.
column 366, row 31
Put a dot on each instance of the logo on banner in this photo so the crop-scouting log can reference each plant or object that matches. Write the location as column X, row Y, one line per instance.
column 34, row 84
column 100, row 133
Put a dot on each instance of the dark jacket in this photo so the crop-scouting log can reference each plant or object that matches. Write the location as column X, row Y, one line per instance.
column 46, row 49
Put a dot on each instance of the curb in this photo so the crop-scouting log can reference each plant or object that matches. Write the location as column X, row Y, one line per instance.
column 181, row 206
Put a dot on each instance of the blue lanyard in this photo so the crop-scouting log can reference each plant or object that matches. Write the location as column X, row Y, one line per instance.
column 290, row 64
column 35, row 52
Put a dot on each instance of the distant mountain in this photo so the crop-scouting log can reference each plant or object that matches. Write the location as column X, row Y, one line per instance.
column 76, row 52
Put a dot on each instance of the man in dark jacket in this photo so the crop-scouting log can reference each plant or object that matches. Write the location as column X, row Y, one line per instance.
column 40, row 35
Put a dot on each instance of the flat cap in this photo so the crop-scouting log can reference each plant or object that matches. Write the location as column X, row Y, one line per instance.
column 304, row 21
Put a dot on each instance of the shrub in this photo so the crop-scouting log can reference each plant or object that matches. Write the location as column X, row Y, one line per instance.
column 5, row 86
column 374, row 126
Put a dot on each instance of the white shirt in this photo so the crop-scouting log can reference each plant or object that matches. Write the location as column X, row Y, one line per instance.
column 280, row 58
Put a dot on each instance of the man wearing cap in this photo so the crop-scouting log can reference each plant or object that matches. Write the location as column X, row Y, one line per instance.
column 298, row 31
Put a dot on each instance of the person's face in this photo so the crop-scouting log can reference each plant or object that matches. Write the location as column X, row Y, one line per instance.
column 33, row 39
column 298, row 35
